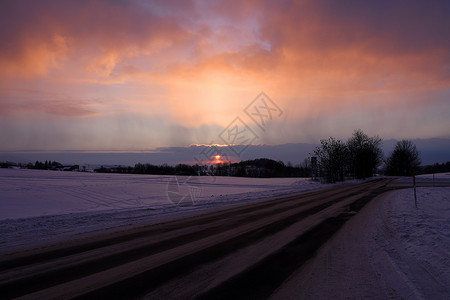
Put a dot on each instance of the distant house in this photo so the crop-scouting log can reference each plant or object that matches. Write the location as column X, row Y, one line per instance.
column 71, row 168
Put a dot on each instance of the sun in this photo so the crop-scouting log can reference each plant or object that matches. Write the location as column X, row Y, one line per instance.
column 217, row 159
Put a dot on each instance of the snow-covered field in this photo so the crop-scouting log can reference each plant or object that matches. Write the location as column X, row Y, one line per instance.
column 32, row 193
column 47, row 205
column 438, row 176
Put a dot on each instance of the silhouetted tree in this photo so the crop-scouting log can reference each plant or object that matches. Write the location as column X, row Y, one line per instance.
column 365, row 154
column 7, row 164
column 403, row 160
column 332, row 156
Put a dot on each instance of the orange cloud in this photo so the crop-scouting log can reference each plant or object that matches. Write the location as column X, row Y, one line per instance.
column 40, row 34
column 35, row 57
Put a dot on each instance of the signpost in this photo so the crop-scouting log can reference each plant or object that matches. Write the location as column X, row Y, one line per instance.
column 414, row 183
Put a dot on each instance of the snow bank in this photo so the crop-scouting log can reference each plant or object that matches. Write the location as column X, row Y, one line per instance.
column 424, row 236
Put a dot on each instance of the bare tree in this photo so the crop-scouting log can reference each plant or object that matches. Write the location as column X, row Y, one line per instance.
column 365, row 154
column 403, row 160
column 332, row 156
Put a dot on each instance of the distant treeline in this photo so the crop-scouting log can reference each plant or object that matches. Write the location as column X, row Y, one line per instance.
column 436, row 168
column 262, row 167
column 39, row 165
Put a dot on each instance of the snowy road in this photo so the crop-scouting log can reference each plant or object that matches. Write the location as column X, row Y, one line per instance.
column 229, row 253
column 390, row 250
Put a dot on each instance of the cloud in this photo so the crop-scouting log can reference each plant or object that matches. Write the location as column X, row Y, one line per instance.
column 304, row 37
column 47, row 31
column 27, row 102
column 195, row 65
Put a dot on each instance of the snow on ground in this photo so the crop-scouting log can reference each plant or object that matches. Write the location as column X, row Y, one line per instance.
column 441, row 176
column 437, row 178
column 37, row 205
column 390, row 250
column 31, row 193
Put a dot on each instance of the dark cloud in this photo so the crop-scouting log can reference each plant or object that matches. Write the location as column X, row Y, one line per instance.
column 407, row 35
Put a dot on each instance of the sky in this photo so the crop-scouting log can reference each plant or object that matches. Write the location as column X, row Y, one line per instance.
column 140, row 75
